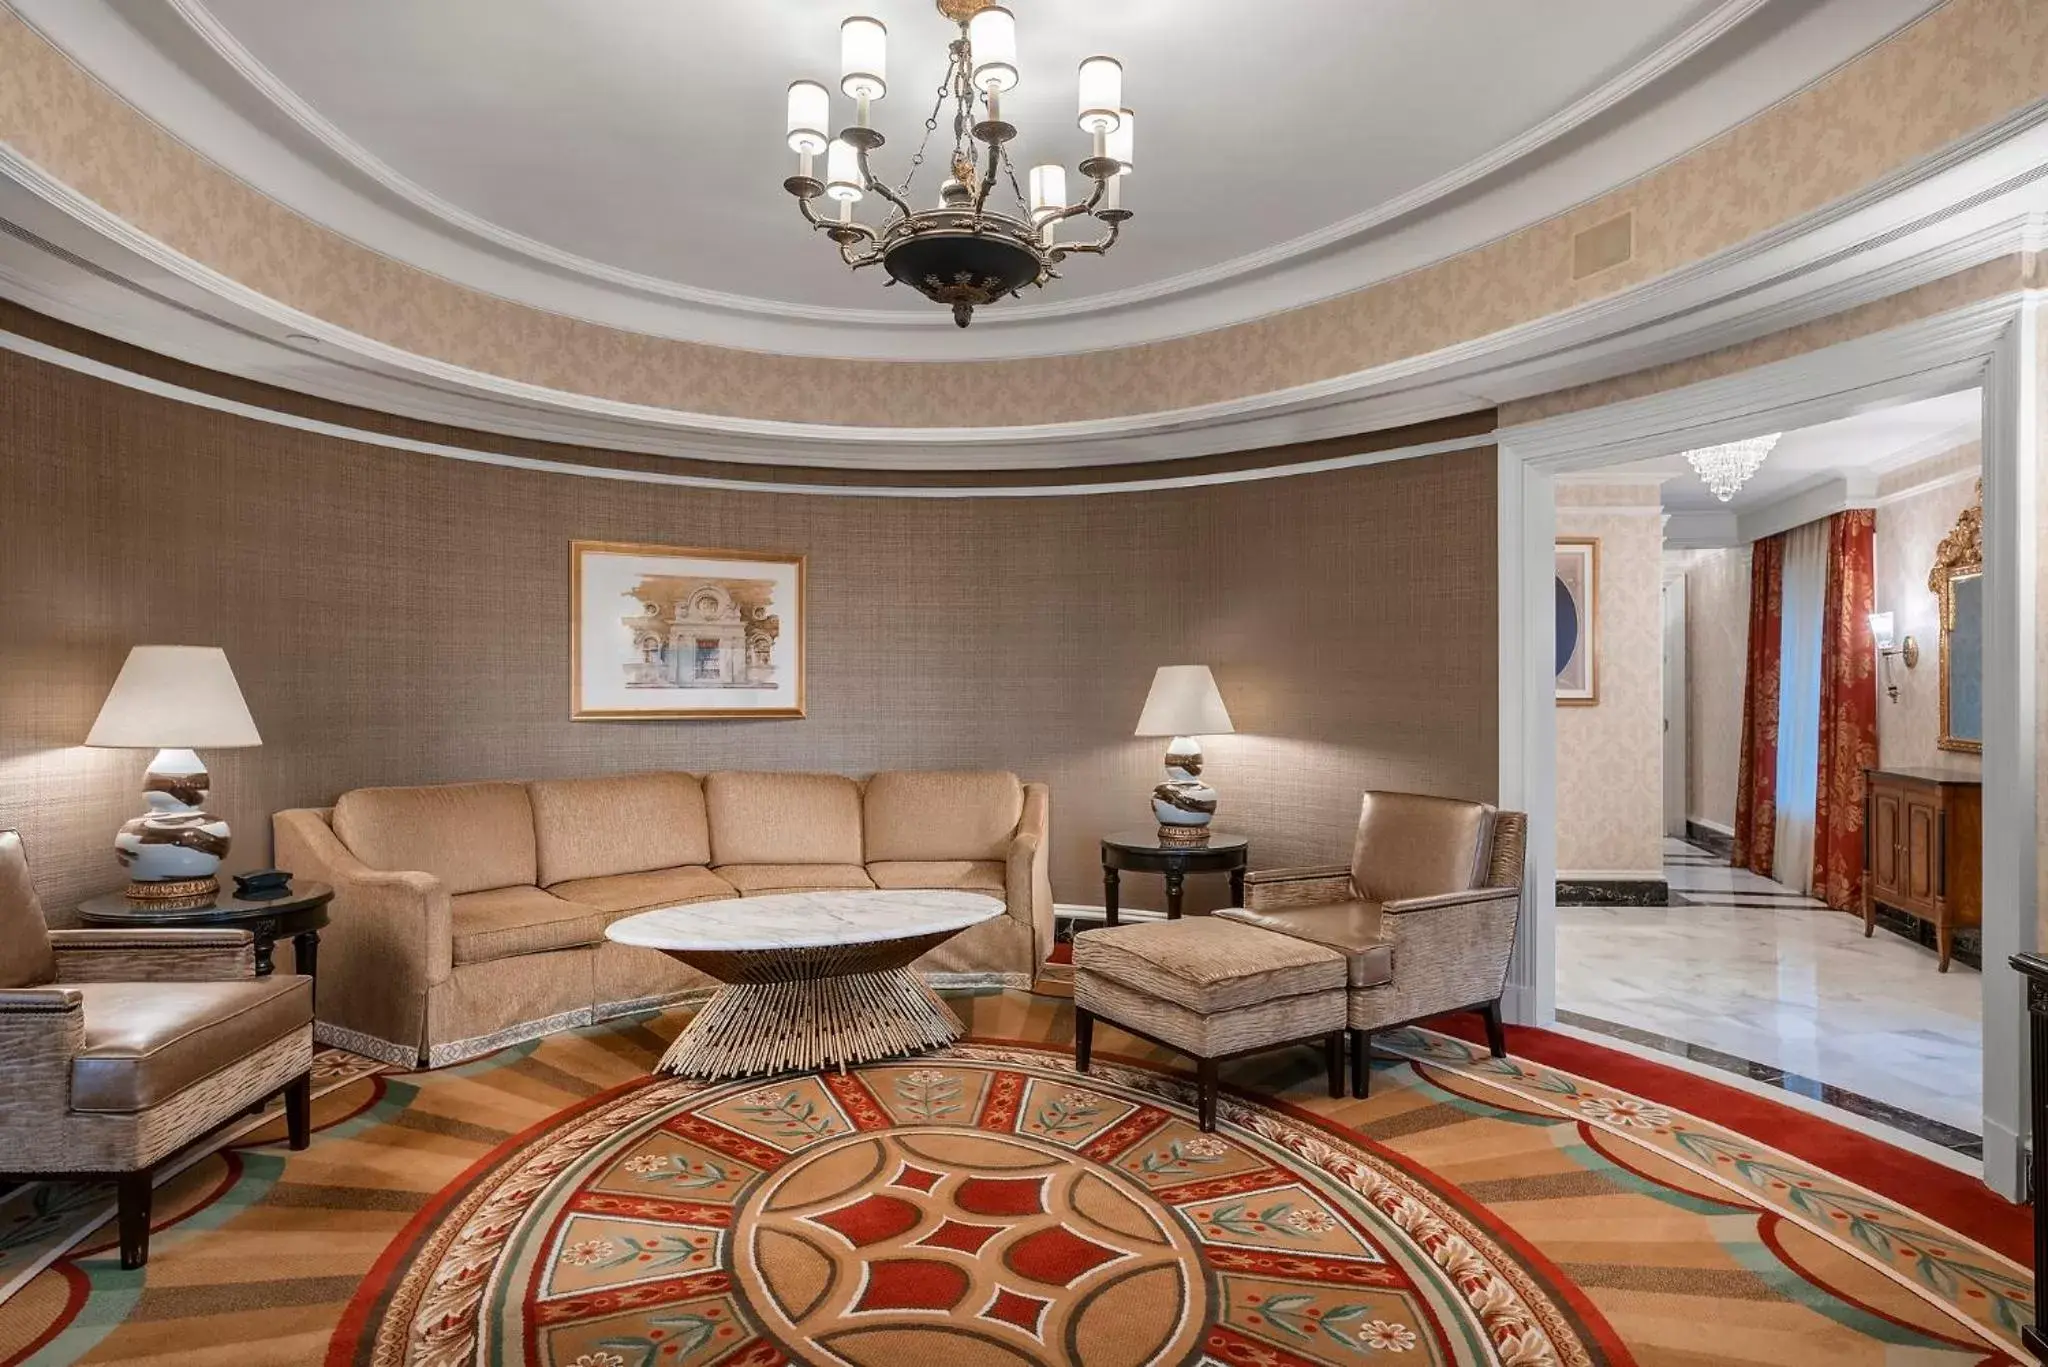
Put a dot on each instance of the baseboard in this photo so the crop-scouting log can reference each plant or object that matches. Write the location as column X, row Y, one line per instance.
column 1710, row 836
column 1613, row 890
column 1714, row 826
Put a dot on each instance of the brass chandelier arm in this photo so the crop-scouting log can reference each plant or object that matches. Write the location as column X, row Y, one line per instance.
column 1086, row 206
column 886, row 192
column 849, row 230
column 988, row 181
column 1099, row 247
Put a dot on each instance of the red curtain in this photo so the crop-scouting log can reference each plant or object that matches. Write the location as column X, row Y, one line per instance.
column 1848, row 711
column 1756, row 789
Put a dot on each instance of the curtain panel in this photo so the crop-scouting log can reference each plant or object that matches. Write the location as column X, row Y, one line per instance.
column 1848, row 710
column 1756, row 789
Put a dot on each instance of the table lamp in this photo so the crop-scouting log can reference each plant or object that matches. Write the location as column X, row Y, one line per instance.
column 173, row 700
column 1184, row 704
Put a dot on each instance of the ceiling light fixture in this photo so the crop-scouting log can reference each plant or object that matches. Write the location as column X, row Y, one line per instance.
column 961, row 253
column 1726, row 468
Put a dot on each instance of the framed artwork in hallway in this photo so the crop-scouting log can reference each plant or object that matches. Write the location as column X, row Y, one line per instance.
column 679, row 632
column 1578, row 612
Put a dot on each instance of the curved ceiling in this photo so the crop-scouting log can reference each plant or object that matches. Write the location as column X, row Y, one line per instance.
column 622, row 163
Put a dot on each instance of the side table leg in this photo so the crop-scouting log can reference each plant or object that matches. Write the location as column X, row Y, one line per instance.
column 1108, row 895
column 265, row 946
column 1237, row 887
column 1174, row 882
column 306, row 956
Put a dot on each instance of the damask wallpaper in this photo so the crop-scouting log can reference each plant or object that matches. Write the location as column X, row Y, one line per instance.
column 1909, row 529
column 1610, row 757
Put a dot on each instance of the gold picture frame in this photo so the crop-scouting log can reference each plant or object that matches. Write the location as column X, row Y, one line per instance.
column 1960, row 558
column 718, row 634
column 1578, row 599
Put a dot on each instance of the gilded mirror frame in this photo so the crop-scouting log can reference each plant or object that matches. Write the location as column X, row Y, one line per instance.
column 1960, row 555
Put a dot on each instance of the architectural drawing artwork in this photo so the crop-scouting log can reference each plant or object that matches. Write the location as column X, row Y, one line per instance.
column 703, row 633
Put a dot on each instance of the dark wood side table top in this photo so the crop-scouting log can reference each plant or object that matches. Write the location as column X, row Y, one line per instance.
column 299, row 914
column 1142, row 851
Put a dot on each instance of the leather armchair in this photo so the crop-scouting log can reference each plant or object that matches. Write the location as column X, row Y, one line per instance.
column 1424, row 914
column 120, row 1047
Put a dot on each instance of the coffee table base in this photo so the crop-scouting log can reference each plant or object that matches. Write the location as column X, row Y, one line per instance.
column 752, row 1028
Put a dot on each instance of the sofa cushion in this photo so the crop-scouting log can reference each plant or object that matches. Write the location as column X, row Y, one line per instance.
column 146, row 1042
column 26, row 959
column 965, row 875
column 1207, row 964
column 756, row 880
column 471, row 836
column 624, row 892
column 783, row 818
column 1410, row 845
column 502, row 922
column 940, row 814
column 627, row 823
column 1353, row 929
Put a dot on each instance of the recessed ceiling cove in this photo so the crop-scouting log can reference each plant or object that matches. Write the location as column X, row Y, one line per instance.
column 555, row 151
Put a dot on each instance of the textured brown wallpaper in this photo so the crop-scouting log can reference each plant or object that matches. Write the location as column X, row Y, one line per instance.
column 399, row 619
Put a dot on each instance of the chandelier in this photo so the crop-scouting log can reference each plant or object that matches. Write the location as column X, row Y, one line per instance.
column 1726, row 468
column 963, row 252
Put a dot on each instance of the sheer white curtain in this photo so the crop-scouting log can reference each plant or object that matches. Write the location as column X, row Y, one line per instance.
column 1802, row 605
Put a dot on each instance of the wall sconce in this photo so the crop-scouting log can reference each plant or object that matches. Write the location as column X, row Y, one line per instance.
column 1882, row 628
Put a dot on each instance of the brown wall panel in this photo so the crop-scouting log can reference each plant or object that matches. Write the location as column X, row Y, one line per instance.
column 396, row 618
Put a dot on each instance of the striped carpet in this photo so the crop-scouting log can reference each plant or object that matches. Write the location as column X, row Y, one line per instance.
column 1674, row 1238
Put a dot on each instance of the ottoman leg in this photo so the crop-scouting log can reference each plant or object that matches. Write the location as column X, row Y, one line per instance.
column 1084, row 1037
column 1496, row 1034
column 1205, row 1091
column 1333, row 1060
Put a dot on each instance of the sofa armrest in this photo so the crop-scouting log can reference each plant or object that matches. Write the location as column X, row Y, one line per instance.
column 41, row 1029
column 394, row 924
column 165, row 955
column 1274, row 889
column 1473, row 897
column 1027, row 876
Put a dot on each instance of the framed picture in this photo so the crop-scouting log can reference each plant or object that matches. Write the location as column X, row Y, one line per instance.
column 675, row 631
column 1578, row 621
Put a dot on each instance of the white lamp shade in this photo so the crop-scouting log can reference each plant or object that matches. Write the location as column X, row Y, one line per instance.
column 992, row 34
column 1184, row 702
column 1102, row 94
column 1882, row 627
column 864, row 58
column 842, row 172
column 1048, row 190
column 1122, row 139
column 810, row 110
column 174, row 698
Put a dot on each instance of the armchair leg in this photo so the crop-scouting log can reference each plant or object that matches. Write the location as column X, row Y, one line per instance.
column 133, row 1191
column 1496, row 1033
column 1361, row 1063
column 1205, row 1084
column 1333, row 1060
column 1084, row 1038
column 298, row 1110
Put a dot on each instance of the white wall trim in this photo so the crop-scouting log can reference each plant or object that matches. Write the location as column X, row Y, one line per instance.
column 1928, row 487
column 1994, row 345
column 42, row 351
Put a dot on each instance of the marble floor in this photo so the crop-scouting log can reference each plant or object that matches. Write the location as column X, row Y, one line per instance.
column 1749, row 975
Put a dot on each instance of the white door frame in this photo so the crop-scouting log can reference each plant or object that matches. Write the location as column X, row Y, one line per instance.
column 1994, row 345
column 1677, row 721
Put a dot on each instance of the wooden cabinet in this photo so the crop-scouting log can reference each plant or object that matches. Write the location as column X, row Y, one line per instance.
column 1922, row 846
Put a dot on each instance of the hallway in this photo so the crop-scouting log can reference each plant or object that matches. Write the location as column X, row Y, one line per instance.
column 1745, row 975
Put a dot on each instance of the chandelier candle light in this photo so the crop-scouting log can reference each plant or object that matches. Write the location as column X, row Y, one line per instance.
column 1726, row 468
column 962, row 253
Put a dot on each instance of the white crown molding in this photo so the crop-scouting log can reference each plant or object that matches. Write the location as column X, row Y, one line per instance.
column 1584, row 153
column 1981, row 201
column 1659, row 63
column 1928, row 486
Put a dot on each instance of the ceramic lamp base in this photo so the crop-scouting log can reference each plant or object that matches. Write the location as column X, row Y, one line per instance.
column 174, row 851
column 1184, row 805
column 1183, row 835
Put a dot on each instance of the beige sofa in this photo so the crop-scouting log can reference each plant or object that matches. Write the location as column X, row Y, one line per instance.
column 470, row 916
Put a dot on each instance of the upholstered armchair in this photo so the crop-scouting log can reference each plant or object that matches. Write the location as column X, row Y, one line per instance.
column 1424, row 914
column 119, row 1047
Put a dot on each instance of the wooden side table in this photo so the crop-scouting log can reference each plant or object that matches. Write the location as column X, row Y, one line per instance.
column 2035, row 968
column 299, row 914
column 1144, row 852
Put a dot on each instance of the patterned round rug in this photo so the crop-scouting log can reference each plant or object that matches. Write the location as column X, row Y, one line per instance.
column 985, row 1207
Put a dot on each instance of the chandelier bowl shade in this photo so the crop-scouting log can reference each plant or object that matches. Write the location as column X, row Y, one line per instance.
column 952, row 263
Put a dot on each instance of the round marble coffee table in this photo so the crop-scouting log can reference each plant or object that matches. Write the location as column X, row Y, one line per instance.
column 811, row 979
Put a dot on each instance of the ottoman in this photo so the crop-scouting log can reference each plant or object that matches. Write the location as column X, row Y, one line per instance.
column 1210, row 989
